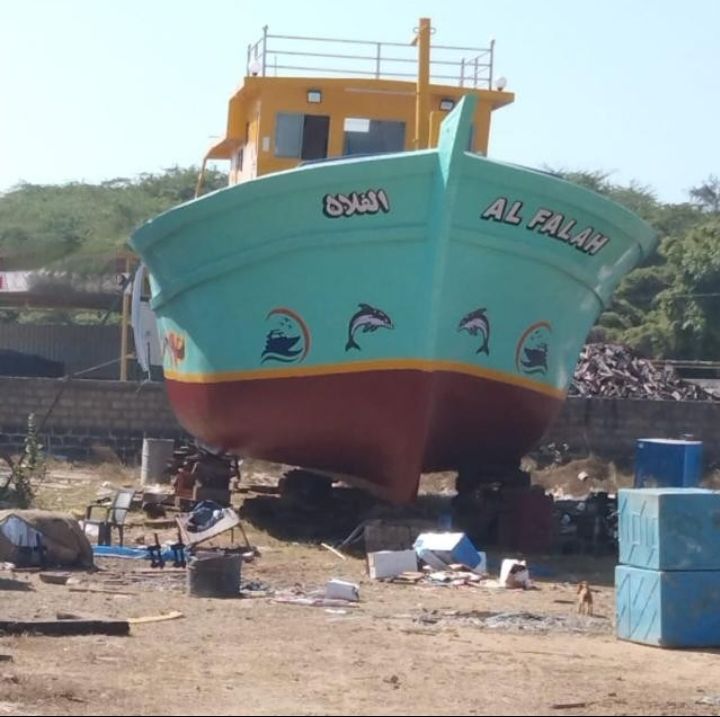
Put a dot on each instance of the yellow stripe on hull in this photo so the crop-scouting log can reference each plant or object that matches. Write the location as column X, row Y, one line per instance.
column 365, row 366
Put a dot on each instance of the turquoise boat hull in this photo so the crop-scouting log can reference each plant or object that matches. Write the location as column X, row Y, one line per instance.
column 384, row 316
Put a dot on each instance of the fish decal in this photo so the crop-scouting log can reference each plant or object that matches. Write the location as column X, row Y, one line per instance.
column 288, row 341
column 366, row 320
column 477, row 323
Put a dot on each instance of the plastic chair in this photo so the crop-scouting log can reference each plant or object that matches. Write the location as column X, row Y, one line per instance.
column 115, row 515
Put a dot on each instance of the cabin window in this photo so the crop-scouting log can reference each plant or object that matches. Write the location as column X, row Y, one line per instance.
column 301, row 136
column 236, row 163
column 369, row 136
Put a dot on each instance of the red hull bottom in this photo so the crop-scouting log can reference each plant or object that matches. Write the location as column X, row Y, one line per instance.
column 385, row 427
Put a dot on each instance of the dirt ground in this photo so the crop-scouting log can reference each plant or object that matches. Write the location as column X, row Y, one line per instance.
column 405, row 649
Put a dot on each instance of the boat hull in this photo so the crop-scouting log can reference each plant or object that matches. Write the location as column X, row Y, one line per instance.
column 382, row 317
column 386, row 425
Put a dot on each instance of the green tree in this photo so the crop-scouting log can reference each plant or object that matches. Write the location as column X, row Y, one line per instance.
column 79, row 226
column 707, row 195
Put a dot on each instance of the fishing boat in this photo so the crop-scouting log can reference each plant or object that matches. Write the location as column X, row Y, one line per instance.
column 372, row 297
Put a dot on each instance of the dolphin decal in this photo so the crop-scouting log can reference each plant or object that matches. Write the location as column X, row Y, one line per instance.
column 476, row 322
column 367, row 320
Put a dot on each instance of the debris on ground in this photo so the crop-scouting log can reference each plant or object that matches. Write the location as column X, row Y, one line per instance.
column 407, row 578
column 711, row 700
column 453, row 576
column 30, row 538
column 55, row 578
column 207, row 520
column 514, row 574
column 614, row 371
column 316, row 601
column 391, row 534
column 514, row 621
column 440, row 550
column 588, row 525
column 155, row 500
column 65, row 628
column 342, row 590
column 15, row 584
column 197, row 475
column 173, row 615
column 100, row 591
column 391, row 563
column 255, row 589
column 334, row 551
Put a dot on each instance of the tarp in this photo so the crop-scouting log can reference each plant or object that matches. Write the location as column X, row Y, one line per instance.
column 39, row 537
column 120, row 551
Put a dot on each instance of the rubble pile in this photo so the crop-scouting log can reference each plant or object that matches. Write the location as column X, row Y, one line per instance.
column 199, row 475
column 614, row 371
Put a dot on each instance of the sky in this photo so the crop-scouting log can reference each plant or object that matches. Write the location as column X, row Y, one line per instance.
column 96, row 89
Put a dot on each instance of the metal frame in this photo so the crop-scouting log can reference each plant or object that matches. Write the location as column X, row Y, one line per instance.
column 475, row 71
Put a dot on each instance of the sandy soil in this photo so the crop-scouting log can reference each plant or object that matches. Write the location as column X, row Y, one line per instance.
column 404, row 650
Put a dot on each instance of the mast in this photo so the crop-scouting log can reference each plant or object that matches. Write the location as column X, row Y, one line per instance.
column 422, row 40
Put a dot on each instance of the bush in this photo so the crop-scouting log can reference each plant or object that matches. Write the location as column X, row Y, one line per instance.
column 26, row 471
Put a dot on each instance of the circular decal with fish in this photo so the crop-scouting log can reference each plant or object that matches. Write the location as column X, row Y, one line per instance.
column 365, row 320
column 477, row 324
column 531, row 353
column 288, row 340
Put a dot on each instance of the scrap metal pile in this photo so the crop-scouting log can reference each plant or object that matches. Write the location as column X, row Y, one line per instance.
column 614, row 371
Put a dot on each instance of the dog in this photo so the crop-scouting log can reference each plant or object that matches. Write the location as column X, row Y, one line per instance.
column 584, row 599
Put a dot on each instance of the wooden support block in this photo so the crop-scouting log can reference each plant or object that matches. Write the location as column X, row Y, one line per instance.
column 65, row 628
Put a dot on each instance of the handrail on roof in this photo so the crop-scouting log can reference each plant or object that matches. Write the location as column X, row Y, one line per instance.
column 264, row 59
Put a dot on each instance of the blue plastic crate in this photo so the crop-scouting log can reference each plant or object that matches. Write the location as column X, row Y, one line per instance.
column 668, row 609
column 664, row 463
column 669, row 528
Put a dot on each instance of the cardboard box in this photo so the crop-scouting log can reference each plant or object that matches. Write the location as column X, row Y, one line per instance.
column 440, row 550
column 390, row 563
column 342, row 590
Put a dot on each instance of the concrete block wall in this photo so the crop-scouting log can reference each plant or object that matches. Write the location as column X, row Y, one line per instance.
column 85, row 414
column 610, row 427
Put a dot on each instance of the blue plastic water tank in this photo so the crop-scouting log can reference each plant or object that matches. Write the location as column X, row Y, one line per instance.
column 669, row 528
column 668, row 609
column 667, row 463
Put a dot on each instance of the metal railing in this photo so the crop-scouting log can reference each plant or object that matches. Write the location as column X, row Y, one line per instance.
column 276, row 55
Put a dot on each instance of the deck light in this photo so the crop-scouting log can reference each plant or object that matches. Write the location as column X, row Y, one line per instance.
column 314, row 96
column 446, row 105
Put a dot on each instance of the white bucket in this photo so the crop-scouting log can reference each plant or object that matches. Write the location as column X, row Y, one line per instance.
column 156, row 452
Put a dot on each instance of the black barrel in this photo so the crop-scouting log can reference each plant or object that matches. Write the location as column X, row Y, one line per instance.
column 214, row 575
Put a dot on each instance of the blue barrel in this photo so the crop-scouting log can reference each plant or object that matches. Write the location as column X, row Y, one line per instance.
column 667, row 463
